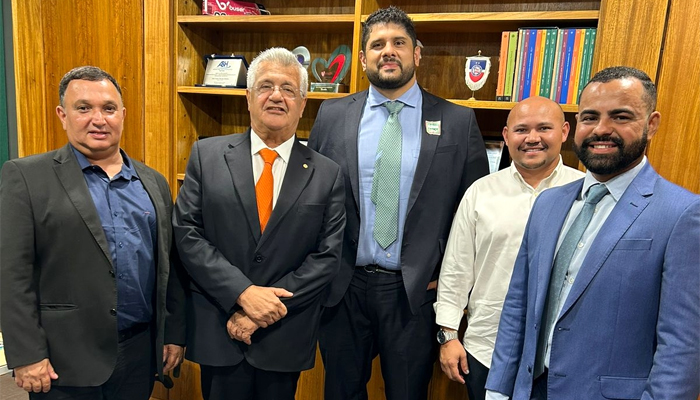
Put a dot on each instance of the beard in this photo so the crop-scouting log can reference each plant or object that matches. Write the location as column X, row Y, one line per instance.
column 390, row 83
column 606, row 164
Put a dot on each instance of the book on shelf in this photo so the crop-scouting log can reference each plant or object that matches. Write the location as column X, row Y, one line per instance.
column 502, row 60
column 510, row 65
column 547, row 61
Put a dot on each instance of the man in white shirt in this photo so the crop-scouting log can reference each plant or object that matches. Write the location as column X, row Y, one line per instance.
column 603, row 302
column 486, row 234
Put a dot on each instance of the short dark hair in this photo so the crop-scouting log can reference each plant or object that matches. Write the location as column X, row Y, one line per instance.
column 388, row 15
column 88, row 73
column 621, row 72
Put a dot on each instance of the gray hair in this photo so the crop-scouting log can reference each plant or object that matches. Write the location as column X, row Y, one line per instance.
column 87, row 73
column 281, row 57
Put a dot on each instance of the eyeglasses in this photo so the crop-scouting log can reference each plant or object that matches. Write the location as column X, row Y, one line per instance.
column 287, row 91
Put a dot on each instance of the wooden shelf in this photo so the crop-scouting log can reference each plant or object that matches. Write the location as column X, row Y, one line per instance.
column 326, row 23
column 502, row 105
column 499, row 21
column 241, row 92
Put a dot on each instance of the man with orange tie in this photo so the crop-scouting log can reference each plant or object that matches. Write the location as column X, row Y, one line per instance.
column 259, row 224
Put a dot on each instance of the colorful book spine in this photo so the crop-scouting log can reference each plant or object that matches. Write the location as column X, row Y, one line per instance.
column 537, row 63
column 564, row 37
column 571, row 37
column 527, row 74
column 502, row 61
column 510, row 66
column 576, row 66
column 519, row 64
column 548, row 64
column 588, row 48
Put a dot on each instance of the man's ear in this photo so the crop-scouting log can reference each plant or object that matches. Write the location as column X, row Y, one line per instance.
column 653, row 124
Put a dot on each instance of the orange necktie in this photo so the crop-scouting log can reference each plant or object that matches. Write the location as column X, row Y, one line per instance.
column 265, row 187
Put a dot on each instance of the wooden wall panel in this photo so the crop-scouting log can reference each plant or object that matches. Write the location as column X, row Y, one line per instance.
column 28, row 51
column 157, row 111
column 51, row 37
column 630, row 33
column 675, row 150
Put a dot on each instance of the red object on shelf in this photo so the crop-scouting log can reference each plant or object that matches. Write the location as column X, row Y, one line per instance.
column 231, row 7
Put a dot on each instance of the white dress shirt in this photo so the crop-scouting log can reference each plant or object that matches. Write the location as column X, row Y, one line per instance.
column 481, row 251
column 617, row 187
column 279, row 167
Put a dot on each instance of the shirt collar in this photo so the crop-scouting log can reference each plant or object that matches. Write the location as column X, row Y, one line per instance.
column 545, row 183
column 284, row 151
column 127, row 171
column 410, row 98
column 617, row 185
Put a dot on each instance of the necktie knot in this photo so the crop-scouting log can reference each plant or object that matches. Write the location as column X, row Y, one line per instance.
column 268, row 155
column 394, row 107
column 596, row 193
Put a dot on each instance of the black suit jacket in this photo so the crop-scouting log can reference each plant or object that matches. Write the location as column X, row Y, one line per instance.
column 447, row 164
column 58, row 284
column 218, row 236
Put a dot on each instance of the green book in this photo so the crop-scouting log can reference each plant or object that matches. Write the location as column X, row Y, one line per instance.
column 548, row 67
column 510, row 66
column 587, row 62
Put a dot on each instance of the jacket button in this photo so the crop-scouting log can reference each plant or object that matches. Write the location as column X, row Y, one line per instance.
column 259, row 258
column 113, row 312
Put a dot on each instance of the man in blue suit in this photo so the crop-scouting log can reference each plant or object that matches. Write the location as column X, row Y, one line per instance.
column 621, row 318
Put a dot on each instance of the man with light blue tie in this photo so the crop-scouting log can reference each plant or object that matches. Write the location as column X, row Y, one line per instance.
column 407, row 156
column 604, row 300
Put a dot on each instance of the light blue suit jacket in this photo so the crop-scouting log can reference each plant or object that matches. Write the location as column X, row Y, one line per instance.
column 630, row 327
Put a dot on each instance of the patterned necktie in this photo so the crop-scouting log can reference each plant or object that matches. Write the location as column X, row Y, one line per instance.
column 265, row 187
column 386, row 179
column 561, row 266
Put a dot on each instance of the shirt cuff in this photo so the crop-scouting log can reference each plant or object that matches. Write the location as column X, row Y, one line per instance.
column 491, row 395
column 448, row 315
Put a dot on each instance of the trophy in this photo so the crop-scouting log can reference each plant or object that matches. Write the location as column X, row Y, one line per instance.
column 303, row 56
column 476, row 72
column 330, row 73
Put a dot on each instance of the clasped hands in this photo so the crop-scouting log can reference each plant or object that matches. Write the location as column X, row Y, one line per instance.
column 262, row 307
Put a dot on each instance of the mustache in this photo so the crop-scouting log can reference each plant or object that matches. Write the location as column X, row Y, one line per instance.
column 602, row 138
column 390, row 60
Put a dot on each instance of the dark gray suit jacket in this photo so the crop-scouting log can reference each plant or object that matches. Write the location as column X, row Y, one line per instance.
column 447, row 164
column 58, row 284
column 218, row 236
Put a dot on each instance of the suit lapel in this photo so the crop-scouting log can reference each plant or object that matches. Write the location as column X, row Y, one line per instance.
column 73, row 181
column 299, row 172
column 428, row 144
column 547, row 247
column 352, row 126
column 635, row 199
column 240, row 165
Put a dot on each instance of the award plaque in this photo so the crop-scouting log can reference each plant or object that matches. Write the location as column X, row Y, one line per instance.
column 225, row 71
column 330, row 73
column 476, row 72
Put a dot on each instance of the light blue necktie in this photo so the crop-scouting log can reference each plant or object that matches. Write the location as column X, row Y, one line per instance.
column 386, row 179
column 561, row 266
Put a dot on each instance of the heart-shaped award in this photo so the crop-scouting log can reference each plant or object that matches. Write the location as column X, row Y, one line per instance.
column 335, row 68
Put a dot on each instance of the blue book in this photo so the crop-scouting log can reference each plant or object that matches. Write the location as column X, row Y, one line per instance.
column 531, row 48
column 567, row 66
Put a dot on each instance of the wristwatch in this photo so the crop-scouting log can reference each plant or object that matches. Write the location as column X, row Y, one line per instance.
column 444, row 336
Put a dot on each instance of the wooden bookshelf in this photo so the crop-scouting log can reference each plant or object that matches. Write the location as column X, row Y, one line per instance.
column 450, row 30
